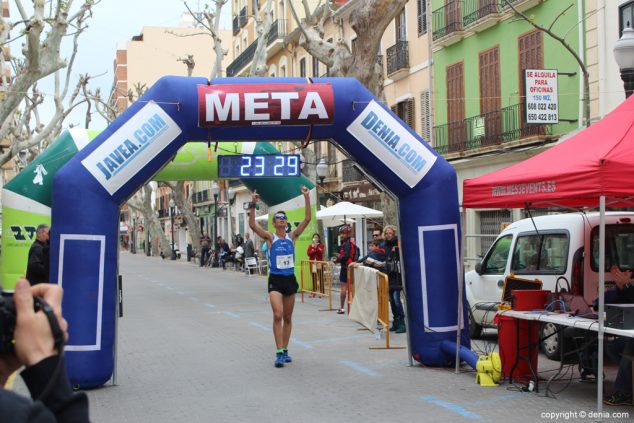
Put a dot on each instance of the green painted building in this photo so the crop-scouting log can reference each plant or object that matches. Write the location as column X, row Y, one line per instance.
column 480, row 51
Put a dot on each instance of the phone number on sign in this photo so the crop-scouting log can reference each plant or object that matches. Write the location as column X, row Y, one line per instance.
column 574, row 415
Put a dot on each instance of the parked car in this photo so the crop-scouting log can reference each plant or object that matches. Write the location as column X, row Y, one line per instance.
column 559, row 250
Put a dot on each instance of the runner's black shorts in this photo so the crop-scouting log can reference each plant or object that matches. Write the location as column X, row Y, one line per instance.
column 284, row 284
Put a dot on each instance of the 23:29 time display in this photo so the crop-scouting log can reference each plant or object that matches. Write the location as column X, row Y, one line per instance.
column 262, row 166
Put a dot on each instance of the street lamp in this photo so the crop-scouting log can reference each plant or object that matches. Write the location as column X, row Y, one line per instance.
column 231, row 196
column 322, row 170
column 624, row 56
column 215, row 190
column 171, row 205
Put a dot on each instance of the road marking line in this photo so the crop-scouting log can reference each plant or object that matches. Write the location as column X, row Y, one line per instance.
column 260, row 325
column 301, row 343
column 359, row 368
column 337, row 339
column 230, row 314
column 210, row 305
column 452, row 407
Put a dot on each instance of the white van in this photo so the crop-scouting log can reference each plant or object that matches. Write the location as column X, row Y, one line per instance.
column 562, row 247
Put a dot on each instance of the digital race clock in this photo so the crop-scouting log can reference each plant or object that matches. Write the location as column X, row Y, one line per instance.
column 259, row 166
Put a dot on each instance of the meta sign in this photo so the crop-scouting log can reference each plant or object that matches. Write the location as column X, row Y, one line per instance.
column 265, row 104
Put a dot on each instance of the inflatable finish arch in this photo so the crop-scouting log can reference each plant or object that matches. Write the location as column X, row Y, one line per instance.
column 89, row 189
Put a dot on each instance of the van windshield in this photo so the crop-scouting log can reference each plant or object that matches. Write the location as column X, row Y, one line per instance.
column 619, row 247
column 543, row 253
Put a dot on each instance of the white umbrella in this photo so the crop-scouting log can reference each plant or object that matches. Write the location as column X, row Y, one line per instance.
column 344, row 210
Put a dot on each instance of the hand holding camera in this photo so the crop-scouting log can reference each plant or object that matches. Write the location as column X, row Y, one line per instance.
column 31, row 325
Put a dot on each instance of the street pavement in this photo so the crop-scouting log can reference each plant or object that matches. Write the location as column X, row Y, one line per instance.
column 195, row 345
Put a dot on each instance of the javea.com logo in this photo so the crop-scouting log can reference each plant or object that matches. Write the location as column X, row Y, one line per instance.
column 380, row 133
column 131, row 147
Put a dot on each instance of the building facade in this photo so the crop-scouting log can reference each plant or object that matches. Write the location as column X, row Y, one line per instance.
column 158, row 51
column 483, row 54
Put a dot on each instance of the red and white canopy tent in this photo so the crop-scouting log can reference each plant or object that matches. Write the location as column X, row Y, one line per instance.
column 593, row 168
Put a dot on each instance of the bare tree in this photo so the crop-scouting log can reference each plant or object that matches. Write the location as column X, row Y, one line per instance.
column 42, row 32
column 189, row 62
column 142, row 203
column 562, row 40
column 209, row 19
column 368, row 20
column 262, row 27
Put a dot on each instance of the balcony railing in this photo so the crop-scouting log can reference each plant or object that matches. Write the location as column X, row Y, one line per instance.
column 397, row 57
column 278, row 30
column 243, row 16
column 446, row 20
column 490, row 129
column 236, row 25
column 475, row 10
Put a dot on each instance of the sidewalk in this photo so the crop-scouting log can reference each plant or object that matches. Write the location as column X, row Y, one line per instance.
column 195, row 345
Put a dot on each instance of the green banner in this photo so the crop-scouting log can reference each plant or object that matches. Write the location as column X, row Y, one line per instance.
column 26, row 202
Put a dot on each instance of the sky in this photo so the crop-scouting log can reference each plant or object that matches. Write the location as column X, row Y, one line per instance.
column 113, row 23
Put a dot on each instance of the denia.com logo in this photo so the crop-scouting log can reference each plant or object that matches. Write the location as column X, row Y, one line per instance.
column 23, row 233
column 383, row 133
column 128, row 149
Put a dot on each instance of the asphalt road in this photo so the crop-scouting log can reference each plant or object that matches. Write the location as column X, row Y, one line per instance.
column 195, row 345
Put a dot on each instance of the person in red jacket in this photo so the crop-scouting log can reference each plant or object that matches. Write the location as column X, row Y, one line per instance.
column 344, row 258
column 316, row 253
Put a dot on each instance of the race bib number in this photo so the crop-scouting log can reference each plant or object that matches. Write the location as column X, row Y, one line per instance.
column 285, row 262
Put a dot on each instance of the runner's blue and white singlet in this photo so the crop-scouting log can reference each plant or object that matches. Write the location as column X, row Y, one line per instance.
column 282, row 256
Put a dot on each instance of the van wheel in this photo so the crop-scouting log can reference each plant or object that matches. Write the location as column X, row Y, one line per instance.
column 553, row 340
column 475, row 330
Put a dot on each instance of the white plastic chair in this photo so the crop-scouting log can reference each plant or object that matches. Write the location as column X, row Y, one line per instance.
column 250, row 263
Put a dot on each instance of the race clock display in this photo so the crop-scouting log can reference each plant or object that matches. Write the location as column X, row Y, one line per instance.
column 259, row 166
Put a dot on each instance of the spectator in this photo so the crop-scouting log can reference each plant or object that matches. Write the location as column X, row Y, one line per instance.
column 205, row 246
column 224, row 253
column 316, row 253
column 38, row 263
column 249, row 248
column 44, row 375
column 344, row 258
column 619, row 349
column 375, row 258
column 393, row 269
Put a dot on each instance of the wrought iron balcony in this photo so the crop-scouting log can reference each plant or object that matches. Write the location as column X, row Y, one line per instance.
column 446, row 20
column 474, row 10
column 278, row 30
column 490, row 129
column 397, row 57
column 236, row 25
column 243, row 16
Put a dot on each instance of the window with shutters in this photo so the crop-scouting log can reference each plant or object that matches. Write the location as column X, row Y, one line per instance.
column 401, row 27
column 405, row 111
column 315, row 67
column 302, row 67
column 453, row 16
column 456, row 133
column 490, row 99
column 422, row 17
column 531, row 56
column 425, row 115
